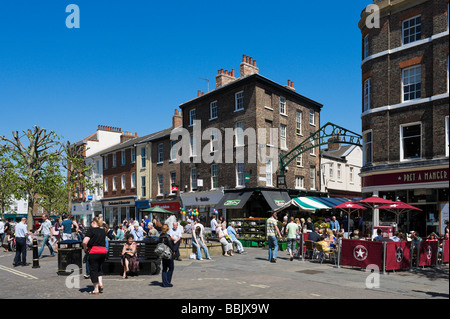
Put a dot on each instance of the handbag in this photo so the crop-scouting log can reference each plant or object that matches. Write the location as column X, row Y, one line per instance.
column 163, row 251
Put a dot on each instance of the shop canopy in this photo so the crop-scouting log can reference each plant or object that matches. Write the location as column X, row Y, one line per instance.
column 234, row 200
column 276, row 199
column 331, row 201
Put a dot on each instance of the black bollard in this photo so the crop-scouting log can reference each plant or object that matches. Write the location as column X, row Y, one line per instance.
column 35, row 254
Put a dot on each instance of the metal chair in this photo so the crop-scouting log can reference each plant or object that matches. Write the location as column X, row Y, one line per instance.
column 311, row 248
column 323, row 251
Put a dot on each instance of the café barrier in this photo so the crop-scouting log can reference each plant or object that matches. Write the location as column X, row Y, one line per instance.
column 428, row 253
column 398, row 255
column 361, row 253
column 445, row 251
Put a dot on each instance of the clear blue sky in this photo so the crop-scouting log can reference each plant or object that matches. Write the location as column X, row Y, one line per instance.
column 132, row 63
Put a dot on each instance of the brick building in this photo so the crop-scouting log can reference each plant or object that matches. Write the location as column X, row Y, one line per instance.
column 242, row 105
column 405, row 109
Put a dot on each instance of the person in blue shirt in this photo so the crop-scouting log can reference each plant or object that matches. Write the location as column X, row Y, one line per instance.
column 334, row 225
column 232, row 232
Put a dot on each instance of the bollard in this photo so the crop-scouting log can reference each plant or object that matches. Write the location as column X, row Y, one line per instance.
column 35, row 254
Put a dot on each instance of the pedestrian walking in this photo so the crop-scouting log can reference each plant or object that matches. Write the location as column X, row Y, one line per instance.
column 21, row 233
column 2, row 231
column 46, row 230
column 272, row 232
column 94, row 244
column 213, row 226
column 167, row 264
column 292, row 231
column 67, row 225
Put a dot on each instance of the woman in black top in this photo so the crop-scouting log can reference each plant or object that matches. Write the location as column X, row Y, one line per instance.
column 168, row 265
column 94, row 244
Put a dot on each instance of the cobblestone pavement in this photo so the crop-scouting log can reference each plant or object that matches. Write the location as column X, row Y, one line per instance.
column 248, row 276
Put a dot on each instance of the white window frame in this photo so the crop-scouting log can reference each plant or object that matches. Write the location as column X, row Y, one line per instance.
column 133, row 155
column 312, row 151
column 239, row 136
column 351, row 173
column 402, row 151
column 299, row 182
column 213, row 110
column 447, row 136
column 409, row 28
column 298, row 119
column 299, row 160
column 123, row 181
column 114, row 184
column 366, row 96
column 269, row 173
column 214, row 176
column 366, row 47
column 240, row 174
column 160, row 185
column 414, row 67
column 312, row 117
column 339, row 172
column 143, row 186
column 133, row 180
column 173, row 151
column 173, row 181
column 331, row 171
column 283, row 134
column 143, row 157
column 114, row 160
column 160, row 153
column 239, row 101
column 193, row 142
column 283, row 106
column 106, row 162
column 192, row 117
column 193, row 178
column 312, row 178
column 365, row 160
column 105, row 184
column 124, row 158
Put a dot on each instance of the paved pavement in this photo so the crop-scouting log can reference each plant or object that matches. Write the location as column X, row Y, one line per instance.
column 248, row 276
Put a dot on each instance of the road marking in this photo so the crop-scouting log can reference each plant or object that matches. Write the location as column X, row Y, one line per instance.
column 18, row 273
column 315, row 295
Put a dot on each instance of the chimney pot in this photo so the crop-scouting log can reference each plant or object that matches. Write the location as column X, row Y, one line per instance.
column 250, row 60
column 232, row 72
column 254, row 63
column 289, row 82
column 292, row 84
column 198, row 93
column 243, row 58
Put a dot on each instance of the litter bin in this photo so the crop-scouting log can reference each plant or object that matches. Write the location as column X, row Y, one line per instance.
column 70, row 253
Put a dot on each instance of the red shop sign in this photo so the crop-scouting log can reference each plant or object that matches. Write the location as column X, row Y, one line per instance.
column 361, row 253
column 170, row 206
column 411, row 177
column 398, row 255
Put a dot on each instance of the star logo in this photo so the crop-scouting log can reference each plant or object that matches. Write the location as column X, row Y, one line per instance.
column 360, row 253
column 429, row 252
column 399, row 254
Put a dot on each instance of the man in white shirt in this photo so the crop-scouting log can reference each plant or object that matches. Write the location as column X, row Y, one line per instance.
column 47, row 230
column 175, row 234
column 2, row 231
column 21, row 233
column 213, row 226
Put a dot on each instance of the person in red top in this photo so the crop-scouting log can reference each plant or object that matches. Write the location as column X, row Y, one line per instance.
column 94, row 244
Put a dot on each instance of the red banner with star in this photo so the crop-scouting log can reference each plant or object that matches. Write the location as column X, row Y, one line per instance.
column 428, row 252
column 361, row 253
column 398, row 255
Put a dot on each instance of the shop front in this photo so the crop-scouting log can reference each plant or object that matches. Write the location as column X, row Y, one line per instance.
column 427, row 189
column 118, row 209
column 249, row 203
column 206, row 203
column 173, row 206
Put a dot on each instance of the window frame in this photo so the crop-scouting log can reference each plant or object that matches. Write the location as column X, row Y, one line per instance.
column 414, row 67
column 238, row 97
column 402, row 150
column 409, row 28
column 211, row 117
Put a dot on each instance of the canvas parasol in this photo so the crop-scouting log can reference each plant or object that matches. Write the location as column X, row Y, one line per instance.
column 374, row 202
column 349, row 207
column 399, row 208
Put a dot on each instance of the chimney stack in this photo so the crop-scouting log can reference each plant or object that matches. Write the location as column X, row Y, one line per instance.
column 224, row 77
column 177, row 119
column 334, row 142
column 290, row 85
column 248, row 66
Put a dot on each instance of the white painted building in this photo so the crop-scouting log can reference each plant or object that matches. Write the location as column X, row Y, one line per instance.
column 340, row 168
column 89, row 204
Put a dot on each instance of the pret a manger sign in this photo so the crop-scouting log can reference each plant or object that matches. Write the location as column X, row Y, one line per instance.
column 411, row 177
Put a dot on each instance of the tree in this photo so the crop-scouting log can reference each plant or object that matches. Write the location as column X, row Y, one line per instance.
column 79, row 174
column 31, row 159
column 8, row 179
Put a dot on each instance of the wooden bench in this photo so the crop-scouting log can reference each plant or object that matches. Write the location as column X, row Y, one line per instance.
column 149, row 262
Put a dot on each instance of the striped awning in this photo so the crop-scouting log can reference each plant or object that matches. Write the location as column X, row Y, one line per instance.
column 311, row 202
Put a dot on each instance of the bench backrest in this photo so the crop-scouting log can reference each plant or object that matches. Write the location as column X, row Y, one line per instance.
column 144, row 249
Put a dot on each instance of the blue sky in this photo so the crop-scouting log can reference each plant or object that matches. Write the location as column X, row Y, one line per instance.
column 132, row 63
